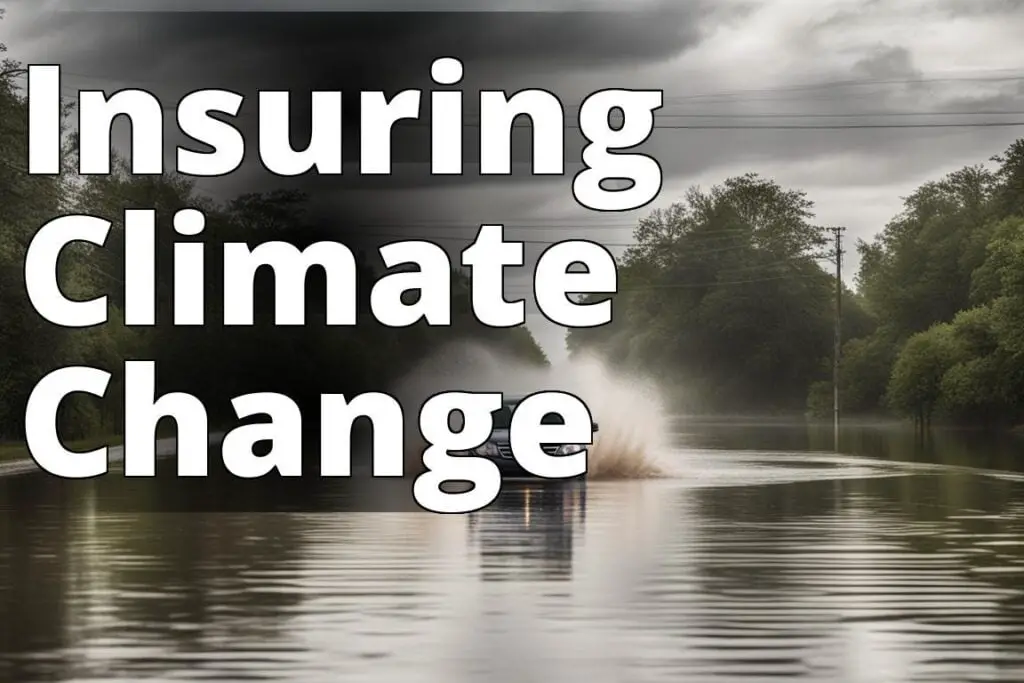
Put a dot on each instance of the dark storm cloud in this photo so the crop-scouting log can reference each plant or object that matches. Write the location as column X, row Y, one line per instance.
column 340, row 5
column 301, row 51
column 137, row 46
column 390, row 51
column 172, row 53
column 560, row 50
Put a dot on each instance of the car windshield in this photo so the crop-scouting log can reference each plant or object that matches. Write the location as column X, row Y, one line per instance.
column 503, row 417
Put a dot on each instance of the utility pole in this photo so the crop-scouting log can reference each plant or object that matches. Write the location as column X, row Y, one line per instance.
column 837, row 233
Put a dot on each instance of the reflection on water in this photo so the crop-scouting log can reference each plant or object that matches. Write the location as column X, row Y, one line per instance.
column 758, row 563
column 528, row 533
column 887, row 441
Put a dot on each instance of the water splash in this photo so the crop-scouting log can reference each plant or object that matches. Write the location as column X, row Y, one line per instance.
column 633, row 425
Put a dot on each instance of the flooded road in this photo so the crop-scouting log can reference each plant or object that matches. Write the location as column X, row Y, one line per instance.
column 764, row 560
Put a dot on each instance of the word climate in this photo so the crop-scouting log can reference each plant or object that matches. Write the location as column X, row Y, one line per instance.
column 486, row 259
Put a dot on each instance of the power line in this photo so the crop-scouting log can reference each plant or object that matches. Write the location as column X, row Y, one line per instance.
column 621, row 290
column 69, row 91
column 776, row 89
column 711, row 283
column 846, row 126
column 820, row 85
column 736, row 126
column 716, row 283
column 470, row 239
column 663, row 114
column 838, row 115
column 1015, row 75
column 417, row 123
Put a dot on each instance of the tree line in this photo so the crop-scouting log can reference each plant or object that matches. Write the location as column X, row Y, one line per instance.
column 212, row 362
column 728, row 298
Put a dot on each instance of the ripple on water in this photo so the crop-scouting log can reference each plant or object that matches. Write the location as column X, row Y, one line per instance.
column 744, row 566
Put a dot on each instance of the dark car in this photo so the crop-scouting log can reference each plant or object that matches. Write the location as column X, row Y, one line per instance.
column 499, row 448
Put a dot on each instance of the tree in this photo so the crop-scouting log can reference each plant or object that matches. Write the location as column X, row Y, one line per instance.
column 31, row 347
column 722, row 295
column 915, row 387
column 917, row 272
column 213, row 361
column 946, row 280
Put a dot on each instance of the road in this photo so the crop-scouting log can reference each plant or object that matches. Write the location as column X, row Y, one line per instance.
column 766, row 559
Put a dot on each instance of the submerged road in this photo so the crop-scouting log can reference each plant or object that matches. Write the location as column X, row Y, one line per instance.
column 765, row 559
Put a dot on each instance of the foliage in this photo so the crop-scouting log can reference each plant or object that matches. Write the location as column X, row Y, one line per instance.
column 915, row 386
column 946, row 279
column 214, row 362
column 29, row 345
column 724, row 296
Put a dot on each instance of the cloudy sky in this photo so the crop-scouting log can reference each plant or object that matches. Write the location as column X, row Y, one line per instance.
column 783, row 66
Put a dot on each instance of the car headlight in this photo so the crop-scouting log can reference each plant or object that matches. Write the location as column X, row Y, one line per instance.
column 570, row 449
column 487, row 449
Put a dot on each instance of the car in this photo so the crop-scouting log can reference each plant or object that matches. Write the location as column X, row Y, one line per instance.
column 498, row 447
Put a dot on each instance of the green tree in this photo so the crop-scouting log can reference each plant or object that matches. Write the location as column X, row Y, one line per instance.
column 915, row 387
column 945, row 280
column 31, row 347
column 723, row 297
column 917, row 272
column 213, row 361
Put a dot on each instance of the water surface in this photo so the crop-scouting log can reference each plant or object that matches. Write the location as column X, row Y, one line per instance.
column 768, row 559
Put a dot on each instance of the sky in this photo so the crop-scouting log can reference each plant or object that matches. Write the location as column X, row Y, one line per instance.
column 734, row 63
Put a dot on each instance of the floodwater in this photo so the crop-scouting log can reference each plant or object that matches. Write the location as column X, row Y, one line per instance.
column 767, row 559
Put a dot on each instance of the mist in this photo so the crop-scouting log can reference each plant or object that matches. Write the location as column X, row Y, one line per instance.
column 633, row 424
